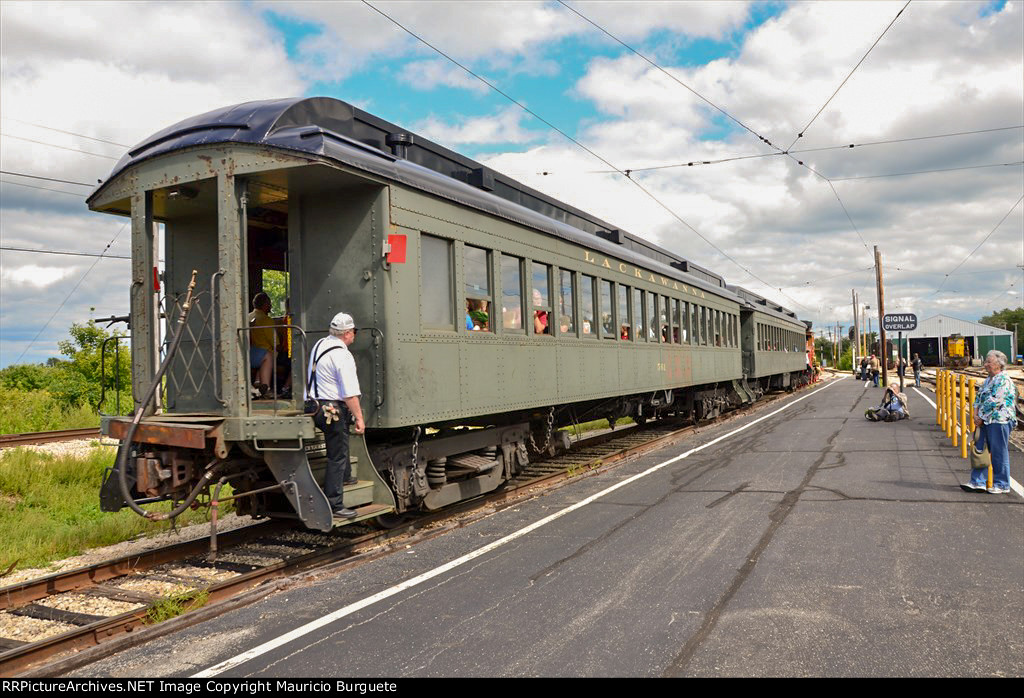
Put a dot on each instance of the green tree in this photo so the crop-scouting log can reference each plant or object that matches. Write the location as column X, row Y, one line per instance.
column 79, row 379
column 1005, row 319
column 27, row 377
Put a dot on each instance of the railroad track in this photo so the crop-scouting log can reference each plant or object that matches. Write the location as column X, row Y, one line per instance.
column 43, row 437
column 113, row 602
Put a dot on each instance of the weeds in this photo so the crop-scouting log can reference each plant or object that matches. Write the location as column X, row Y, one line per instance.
column 176, row 605
column 37, row 410
column 50, row 508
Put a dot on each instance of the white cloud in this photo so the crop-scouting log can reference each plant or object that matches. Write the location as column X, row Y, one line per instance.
column 511, row 36
column 428, row 74
column 940, row 69
column 503, row 127
column 34, row 275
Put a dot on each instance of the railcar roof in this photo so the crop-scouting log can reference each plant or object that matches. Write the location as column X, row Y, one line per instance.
column 754, row 301
column 339, row 131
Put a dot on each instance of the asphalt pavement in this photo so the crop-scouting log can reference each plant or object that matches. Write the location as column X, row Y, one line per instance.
column 798, row 540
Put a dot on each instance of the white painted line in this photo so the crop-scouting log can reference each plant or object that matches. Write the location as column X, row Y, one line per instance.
column 934, row 406
column 1014, row 485
column 458, row 562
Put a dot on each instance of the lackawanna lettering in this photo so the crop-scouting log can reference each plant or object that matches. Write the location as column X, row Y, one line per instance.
column 642, row 274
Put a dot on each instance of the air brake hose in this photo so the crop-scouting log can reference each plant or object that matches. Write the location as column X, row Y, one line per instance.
column 122, row 453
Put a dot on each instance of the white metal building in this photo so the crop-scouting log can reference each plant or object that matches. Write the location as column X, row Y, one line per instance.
column 926, row 339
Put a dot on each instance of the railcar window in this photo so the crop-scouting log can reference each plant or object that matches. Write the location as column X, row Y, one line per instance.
column 625, row 326
column 607, row 318
column 683, row 314
column 678, row 335
column 566, row 304
column 666, row 320
column 477, row 271
column 436, row 288
column 638, row 317
column 703, row 325
column 587, row 304
column 541, row 299
column 511, row 293
column 716, row 323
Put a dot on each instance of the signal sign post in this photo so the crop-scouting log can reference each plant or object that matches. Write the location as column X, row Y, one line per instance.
column 898, row 322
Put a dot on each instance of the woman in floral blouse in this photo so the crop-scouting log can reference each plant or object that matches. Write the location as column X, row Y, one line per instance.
column 994, row 411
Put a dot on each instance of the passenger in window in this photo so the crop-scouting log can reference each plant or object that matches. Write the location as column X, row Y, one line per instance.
column 564, row 324
column 624, row 332
column 540, row 317
column 262, row 342
column 477, row 318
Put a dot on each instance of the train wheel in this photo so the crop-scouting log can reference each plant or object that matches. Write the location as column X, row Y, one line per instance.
column 391, row 521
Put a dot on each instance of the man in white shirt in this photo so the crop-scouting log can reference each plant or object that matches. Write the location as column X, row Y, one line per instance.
column 332, row 390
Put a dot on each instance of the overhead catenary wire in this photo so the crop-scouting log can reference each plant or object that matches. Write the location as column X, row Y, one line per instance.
column 54, row 145
column 48, row 179
column 849, row 75
column 669, row 75
column 8, row 248
column 753, row 156
column 71, row 293
column 69, row 133
column 916, row 172
column 991, row 232
column 647, row 192
column 32, row 186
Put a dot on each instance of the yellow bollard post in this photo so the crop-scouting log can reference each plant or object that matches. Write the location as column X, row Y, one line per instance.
column 954, row 414
column 963, row 424
column 945, row 404
column 951, row 409
column 938, row 397
column 971, row 397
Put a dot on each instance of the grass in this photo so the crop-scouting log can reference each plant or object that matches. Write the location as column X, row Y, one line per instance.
column 50, row 508
column 23, row 411
column 176, row 605
column 584, row 427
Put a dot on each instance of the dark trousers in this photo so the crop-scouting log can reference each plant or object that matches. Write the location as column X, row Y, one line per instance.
column 339, row 468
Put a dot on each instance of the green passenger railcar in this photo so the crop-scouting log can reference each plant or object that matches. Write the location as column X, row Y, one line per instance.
column 489, row 314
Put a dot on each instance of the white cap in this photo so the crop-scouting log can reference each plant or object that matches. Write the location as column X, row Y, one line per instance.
column 342, row 322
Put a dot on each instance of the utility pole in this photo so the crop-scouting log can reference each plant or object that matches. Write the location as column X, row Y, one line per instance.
column 881, row 312
column 854, row 348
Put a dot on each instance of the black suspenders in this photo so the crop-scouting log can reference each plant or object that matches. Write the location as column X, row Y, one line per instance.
column 311, row 380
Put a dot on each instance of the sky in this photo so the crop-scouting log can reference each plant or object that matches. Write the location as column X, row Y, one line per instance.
column 638, row 85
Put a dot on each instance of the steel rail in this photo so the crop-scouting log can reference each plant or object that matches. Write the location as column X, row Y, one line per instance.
column 42, row 437
column 590, row 456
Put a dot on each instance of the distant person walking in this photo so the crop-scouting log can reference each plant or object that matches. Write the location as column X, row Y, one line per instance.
column 917, row 364
column 864, row 369
column 995, row 413
column 873, row 365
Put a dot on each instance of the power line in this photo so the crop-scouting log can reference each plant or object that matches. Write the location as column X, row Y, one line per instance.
column 818, row 113
column 54, row 145
column 786, row 152
column 991, row 232
column 48, row 179
column 578, row 143
column 32, row 186
column 828, row 278
column 846, row 146
column 989, row 235
column 64, row 252
column 665, row 72
column 71, row 293
column 939, row 273
column 944, row 169
column 70, row 133
column 848, row 217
